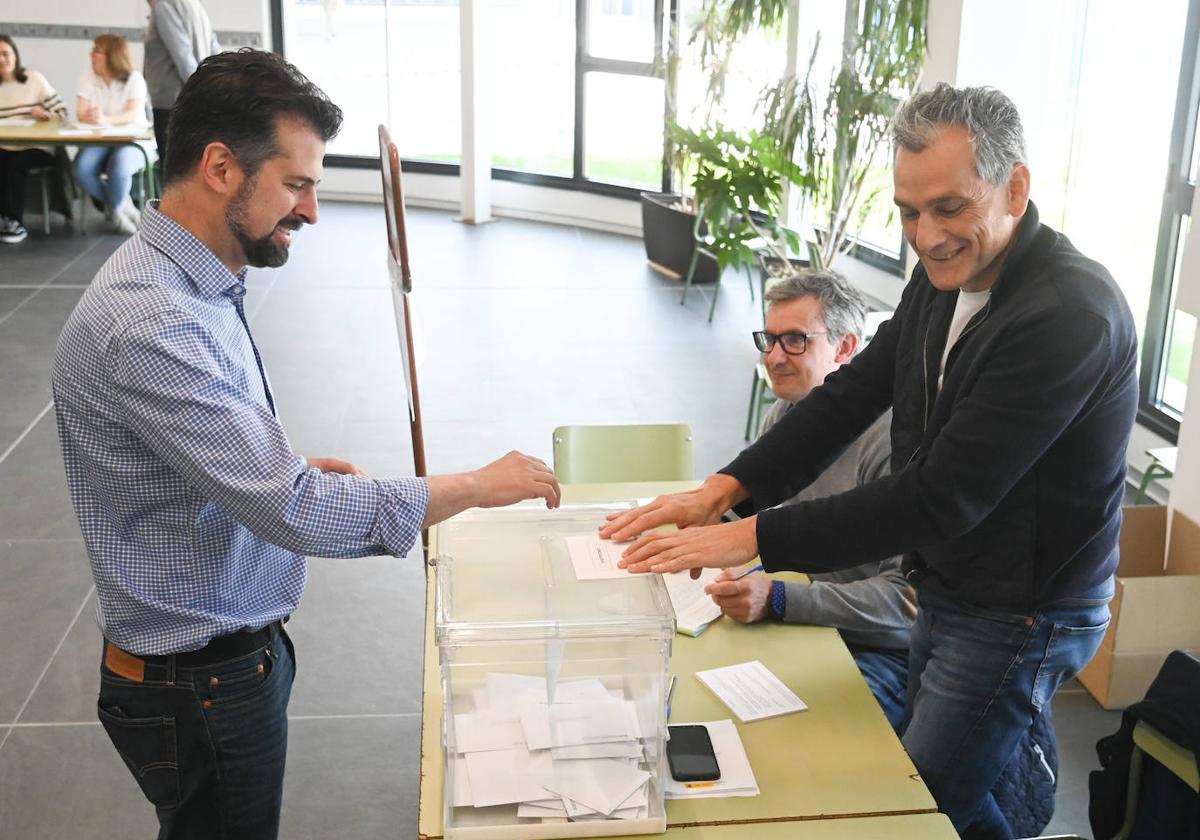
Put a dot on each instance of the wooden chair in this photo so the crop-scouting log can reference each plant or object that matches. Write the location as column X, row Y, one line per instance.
column 601, row 454
column 401, row 285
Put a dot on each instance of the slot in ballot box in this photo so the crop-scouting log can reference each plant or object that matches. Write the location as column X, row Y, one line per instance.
column 553, row 688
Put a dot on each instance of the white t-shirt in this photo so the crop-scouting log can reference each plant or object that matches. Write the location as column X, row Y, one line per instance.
column 964, row 310
column 114, row 97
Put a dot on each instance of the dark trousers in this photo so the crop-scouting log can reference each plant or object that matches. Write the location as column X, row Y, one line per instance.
column 14, row 169
column 162, row 116
column 207, row 745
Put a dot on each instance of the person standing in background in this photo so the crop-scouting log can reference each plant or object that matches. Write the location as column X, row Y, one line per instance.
column 24, row 95
column 179, row 36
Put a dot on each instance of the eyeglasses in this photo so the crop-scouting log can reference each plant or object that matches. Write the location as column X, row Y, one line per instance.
column 793, row 343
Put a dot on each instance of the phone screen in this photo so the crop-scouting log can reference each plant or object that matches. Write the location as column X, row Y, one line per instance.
column 690, row 754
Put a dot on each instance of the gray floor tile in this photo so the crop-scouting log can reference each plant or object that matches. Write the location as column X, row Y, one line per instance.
column 39, row 259
column 67, row 692
column 352, row 779
column 11, row 299
column 34, row 503
column 358, row 635
column 68, row 781
column 27, row 342
column 42, row 585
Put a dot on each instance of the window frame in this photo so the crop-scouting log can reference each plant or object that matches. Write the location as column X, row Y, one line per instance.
column 1177, row 205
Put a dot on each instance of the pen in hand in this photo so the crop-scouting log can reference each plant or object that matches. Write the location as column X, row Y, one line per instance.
column 757, row 568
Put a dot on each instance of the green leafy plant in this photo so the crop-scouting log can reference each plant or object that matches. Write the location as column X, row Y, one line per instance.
column 738, row 189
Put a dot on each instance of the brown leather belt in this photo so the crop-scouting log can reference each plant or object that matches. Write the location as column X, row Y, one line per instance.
column 221, row 649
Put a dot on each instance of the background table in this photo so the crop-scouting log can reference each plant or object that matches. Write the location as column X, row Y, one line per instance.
column 839, row 759
column 53, row 133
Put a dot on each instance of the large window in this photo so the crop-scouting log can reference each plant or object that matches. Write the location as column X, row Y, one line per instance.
column 575, row 89
column 1102, row 142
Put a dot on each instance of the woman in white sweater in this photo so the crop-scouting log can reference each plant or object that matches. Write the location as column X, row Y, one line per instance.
column 111, row 93
column 24, row 95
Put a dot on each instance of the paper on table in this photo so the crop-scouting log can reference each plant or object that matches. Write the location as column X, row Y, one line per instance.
column 594, row 558
column 751, row 691
column 737, row 776
column 502, row 777
column 694, row 608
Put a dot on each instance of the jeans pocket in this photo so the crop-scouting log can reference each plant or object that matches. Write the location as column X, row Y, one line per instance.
column 148, row 747
column 1068, row 650
column 239, row 679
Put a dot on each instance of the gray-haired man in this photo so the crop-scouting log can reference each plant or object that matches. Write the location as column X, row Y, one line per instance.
column 1010, row 367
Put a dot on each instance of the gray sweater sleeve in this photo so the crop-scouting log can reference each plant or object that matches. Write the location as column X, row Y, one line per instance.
column 175, row 38
column 871, row 604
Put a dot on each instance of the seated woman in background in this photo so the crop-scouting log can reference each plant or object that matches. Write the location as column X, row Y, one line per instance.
column 111, row 93
column 24, row 95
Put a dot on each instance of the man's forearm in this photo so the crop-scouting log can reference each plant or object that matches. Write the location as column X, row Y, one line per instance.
column 451, row 494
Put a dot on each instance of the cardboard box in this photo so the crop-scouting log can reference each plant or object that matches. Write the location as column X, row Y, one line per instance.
column 1156, row 608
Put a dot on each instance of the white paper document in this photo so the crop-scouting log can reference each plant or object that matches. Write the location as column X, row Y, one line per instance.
column 601, row 785
column 502, row 777
column 751, row 691
column 594, row 558
column 694, row 608
column 481, row 732
column 737, row 776
column 573, row 724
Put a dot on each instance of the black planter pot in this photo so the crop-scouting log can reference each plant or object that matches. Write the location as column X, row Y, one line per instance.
column 668, row 235
column 766, row 263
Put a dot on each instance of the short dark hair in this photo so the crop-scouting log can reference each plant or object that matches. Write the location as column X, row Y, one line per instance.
column 20, row 74
column 236, row 98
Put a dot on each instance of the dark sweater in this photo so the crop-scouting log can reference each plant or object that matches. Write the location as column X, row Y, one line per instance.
column 1006, row 484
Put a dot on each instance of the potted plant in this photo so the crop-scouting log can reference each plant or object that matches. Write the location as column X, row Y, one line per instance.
column 836, row 138
column 669, row 219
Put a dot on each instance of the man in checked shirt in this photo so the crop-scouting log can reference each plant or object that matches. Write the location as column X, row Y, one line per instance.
column 196, row 513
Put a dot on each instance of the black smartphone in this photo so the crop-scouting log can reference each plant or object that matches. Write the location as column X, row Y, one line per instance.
column 690, row 754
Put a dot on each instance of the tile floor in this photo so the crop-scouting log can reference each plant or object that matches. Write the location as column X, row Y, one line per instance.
column 520, row 327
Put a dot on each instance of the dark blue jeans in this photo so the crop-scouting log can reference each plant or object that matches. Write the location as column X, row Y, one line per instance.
column 886, row 673
column 977, row 679
column 206, row 745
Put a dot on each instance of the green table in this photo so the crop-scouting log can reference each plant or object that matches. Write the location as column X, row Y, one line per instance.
column 836, row 761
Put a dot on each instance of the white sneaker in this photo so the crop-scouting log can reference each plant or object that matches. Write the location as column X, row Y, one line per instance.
column 129, row 211
column 120, row 224
column 12, row 232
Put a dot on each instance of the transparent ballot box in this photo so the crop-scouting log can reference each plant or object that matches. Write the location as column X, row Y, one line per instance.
column 553, row 687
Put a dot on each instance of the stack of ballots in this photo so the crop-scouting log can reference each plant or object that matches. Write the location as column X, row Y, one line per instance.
column 553, row 688
column 574, row 759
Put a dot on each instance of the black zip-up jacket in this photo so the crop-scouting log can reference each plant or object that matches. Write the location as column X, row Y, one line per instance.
column 1006, row 484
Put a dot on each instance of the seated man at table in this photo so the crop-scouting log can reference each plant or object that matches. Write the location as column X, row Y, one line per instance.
column 814, row 325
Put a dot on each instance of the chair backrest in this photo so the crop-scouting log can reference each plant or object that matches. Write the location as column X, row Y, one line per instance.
column 600, row 454
column 401, row 277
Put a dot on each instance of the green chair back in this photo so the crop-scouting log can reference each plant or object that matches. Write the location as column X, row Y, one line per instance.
column 602, row 454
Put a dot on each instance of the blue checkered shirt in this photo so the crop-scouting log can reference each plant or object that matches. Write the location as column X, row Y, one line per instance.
column 195, row 511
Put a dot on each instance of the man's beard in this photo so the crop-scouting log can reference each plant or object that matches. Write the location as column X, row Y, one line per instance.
column 263, row 252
